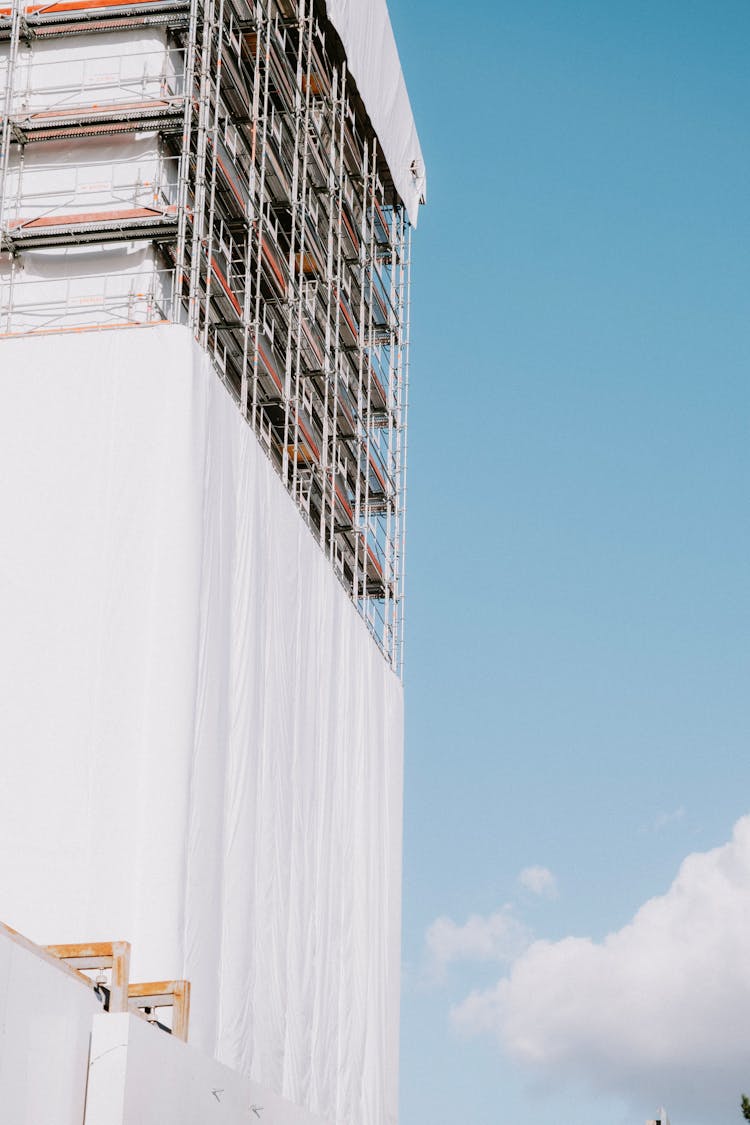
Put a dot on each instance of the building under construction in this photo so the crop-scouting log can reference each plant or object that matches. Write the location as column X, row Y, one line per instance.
column 214, row 164
column 205, row 225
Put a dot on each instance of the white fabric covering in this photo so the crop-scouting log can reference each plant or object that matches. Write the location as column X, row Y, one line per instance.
column 201, row 746
column 364, row 27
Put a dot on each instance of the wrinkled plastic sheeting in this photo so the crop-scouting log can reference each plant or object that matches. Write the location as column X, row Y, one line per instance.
column 364, row 27
column 201, row 743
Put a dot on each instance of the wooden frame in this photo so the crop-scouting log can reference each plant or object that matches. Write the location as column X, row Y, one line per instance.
column 114, row 955
column 173, row 994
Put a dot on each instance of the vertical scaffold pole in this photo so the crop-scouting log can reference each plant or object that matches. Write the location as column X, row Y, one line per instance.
column 5, row 143
column 252, row 222
column 403, row 383
column 214, row 136
column 258, row 202
column 183, row 191
column 333, row 287
column 199, row 206
column 7, row 127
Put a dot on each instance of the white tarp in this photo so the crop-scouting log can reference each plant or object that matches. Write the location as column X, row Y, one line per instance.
column 82, row 286
column 60, row 74
column 105, row 177
column 364, row 27
column 201, row 746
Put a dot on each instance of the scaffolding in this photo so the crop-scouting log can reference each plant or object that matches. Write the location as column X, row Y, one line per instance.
column 210, row 163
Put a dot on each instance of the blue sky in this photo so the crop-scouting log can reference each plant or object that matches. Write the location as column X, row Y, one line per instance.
column 579, row 606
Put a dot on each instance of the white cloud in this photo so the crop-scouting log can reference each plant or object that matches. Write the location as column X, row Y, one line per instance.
column 499, row 937
column 658, row 1011
column 540, row 881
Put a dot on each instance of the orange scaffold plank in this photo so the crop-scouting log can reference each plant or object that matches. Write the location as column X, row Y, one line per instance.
column 75, row 6
column 129, row 215
column 97, row 108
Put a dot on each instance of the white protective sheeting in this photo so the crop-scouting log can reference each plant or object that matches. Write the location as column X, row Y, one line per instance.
column 83, row 286
column 201, row 744
column 59, row 75
column 57, row 181
column 364, row 27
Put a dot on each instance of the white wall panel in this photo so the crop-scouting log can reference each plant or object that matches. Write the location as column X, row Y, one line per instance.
column 140, row 1076
column 201, row 745
column 45, row 1023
